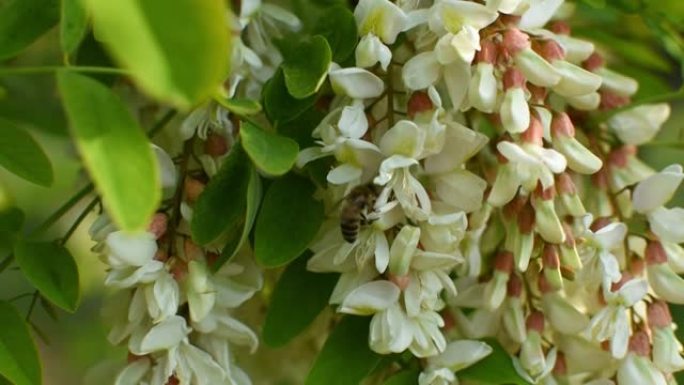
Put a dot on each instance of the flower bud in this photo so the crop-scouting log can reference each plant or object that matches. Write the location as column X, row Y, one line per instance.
column 418, row 103
column 579, row 158
column 551, row 263
column 575, row 81
column 496, row 288
column 664, row 282
column 548, row 225
column 570, row 200
column 535, row 68
column 514, row 111
column 216, row 145
column 403, row 249
column 158, row 225
column 640, row 124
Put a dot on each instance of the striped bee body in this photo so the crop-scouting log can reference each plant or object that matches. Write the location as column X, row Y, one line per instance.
column 354, row 211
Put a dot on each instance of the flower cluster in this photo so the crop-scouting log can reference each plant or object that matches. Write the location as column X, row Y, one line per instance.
column 484, row 193
column 173, row 312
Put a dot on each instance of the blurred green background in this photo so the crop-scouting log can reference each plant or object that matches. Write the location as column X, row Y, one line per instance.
column 642, row 39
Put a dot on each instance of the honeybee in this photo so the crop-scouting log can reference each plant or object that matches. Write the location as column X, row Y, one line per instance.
column 354, row 210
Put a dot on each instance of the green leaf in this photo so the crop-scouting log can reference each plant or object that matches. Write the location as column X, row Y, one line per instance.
column 288, row 204
column 306, row 69
column 495, row 369
column 222, row 204
column 345, row 358
column 114, row 148
column 298, row 298
column 18, row 355
column 338, row 26
column 242, row 107
column 595, row 3
column 11, row 222
column 73, row 26
column 52, row 270
column 177, row 50
column 273, row 153
column 279, row 104
column 301, row 128
column 24, row 21
column 238, row 237
column 23, row 156
column 405, row 377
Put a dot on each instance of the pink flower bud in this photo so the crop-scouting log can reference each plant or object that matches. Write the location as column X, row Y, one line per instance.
column 550, row 257
column 561, row 28
column 512, row 208
column 640, row 344
column 534, row 133
column 504, row 262
column 526, row 219
column 515, row 41
column 594, row 62
column 215, row 145
column 419, row 102
column 655, row 253
column 158, row 225
column 561, row 125
column 193, row 188
column 544, row 285
column 538, row 94
column 514, row 286
column 561, row 367
column 535, row 321
column 600, row 223
column 192, row 251
column 565, row 184
column 513, row 78
column 552, row 51
column 545, row 194
column 659, row 315
column 487, row 52
column 611, row 100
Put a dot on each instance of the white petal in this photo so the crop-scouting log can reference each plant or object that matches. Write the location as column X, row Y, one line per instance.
column 370, row 298
column 456, row 76
column 344, row 173
column 167, row 169
column 668, row 224
column 640, row 124
column 460, row 144
column 353, row 122
column 357, row 83
column 633, row 291
column 610, row 237
column 371, row 50
column 515, row 113
column 381, row 17
column 165, row 335
column 657, row 189
column 536, row 69
column 130, row 249
column 404, row 138
column 421, row 71
column 461, row 354
column 575, row 80
column 540, row 12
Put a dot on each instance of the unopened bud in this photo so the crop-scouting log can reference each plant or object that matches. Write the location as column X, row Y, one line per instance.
column 600, row 223
column 514, row 286
column 610, row 100
column 655, row 253
column 594, row 62
column 552, row 51
column 504, row 262
column 659, row 315
column 561, row 367
column 513, row 78
column 419, row 102
column 526, row 219
column 193, row 188
column 561, row 28
column 515, row 41
column 158, row 225
column 215, row 145
column 561, row 125
column 535, row 321
column 534, row 133
column 640, row 344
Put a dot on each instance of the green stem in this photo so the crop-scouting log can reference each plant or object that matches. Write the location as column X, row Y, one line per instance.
column 63, row 209
column 78, row 220
column 49, row 69
column 161, row 123
column 32, row 306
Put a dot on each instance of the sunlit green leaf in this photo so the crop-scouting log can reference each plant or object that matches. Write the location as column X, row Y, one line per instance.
column 339, row 28
column 242, row 107
column 405, row 377
column 306, row 69
column 52, row 270
column 297, row 300
column 114, row 148
column 177, row 50
column 273, row 153
column 222, row 204
column 73, row 25
column 279, row 104
column 237, row 237
column 18, row 355
column 22, row 155
column 288, row 204
column 495, row 369
column 346, row 358
column 24, row 21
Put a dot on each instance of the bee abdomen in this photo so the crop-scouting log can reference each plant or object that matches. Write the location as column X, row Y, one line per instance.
column 350, row 229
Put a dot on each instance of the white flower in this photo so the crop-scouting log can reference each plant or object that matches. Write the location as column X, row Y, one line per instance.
column 597, row 253
column 370, row 50
column 457, row 355
column 425, row 69
column 458, row 24
column 199, row 290
column 612, row 322
column 649, row 198
column 357, row 83
column 639, row 370
column 640, row 124
column 381, row 18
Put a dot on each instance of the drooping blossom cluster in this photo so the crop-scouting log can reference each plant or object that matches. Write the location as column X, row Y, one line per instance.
column 511, row 202
column 175, row 314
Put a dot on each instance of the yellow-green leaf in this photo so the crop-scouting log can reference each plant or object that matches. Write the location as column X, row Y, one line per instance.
column 307, row 66
column 272, row 153
column 114, row 148
column 178, row 50
column 18, row 355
